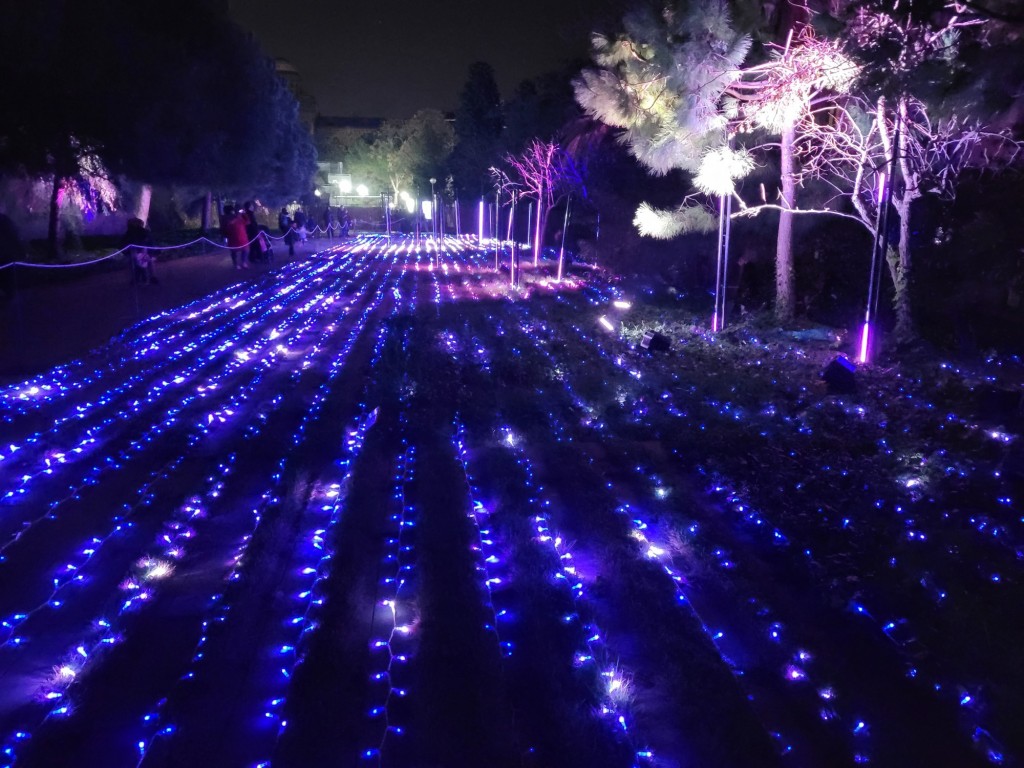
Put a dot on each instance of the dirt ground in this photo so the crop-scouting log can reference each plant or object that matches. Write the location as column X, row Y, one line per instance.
column 46, row 323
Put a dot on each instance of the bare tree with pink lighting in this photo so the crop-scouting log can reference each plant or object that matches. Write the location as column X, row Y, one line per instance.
column 891, row 144
column 545, row 172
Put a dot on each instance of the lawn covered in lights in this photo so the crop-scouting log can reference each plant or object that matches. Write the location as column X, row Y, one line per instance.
column 380, row 508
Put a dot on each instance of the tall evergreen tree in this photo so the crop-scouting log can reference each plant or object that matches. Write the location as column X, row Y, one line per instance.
column 161, row 93
column 479, row 122
column 541, row 108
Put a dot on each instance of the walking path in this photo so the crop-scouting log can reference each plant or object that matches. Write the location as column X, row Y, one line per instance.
column 45, row 324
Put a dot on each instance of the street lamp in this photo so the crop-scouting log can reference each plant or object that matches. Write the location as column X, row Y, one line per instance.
column 433, row 208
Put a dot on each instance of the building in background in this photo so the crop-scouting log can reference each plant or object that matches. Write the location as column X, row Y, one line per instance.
column 307, row 102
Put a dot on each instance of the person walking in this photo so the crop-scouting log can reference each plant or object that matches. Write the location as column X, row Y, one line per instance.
column 299, row 222
column 252, row 231
column 135, row 242
column 328, row 216
column 233, row 227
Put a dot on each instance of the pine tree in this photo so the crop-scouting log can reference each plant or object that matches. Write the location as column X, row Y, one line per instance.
column 478, row 128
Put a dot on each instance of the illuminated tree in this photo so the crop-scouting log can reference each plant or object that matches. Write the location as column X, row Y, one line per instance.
column 784, row 96
column 403, row 154
column 661, row 81
column 547, row 174
column 921, row 136
column 675, row 85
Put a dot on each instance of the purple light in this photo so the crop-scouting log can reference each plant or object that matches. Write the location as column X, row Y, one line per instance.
column 864, row 334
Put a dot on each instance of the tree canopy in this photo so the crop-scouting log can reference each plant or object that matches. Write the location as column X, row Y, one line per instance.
column 163, row 93
column 479, row 122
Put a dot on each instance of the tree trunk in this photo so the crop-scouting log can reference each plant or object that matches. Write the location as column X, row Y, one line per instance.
column 54, row 219
column 900, row 264
column 206, row 216
column 785, row 302
column 899, row 270
column 145, row 198
column 542, row 223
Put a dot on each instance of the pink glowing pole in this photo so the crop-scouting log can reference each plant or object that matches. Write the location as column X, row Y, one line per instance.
column 536, row 238
column 480, row 223
column 561, row 251
column 508, row 236
column 722, row 269
column 865, row 331
column 512, row 257
column 880, row 246
column 497, row 224
column 529, row 220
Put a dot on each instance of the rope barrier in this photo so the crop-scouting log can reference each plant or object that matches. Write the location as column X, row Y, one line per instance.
column 316, row 229
column 147, row 247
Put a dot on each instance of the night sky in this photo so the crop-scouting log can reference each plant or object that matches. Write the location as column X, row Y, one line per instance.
column 390, row 58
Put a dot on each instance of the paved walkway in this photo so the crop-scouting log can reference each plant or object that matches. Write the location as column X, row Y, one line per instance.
column 47, row 324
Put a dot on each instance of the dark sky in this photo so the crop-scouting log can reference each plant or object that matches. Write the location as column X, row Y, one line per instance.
column 388, row 58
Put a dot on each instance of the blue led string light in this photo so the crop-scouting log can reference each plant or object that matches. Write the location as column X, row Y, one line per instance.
column 135, row 598
column 393, row 626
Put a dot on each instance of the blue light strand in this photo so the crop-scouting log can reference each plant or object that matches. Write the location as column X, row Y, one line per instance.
column 913, row 670
column 261, row 352
column 394, row 639
column 140, row 597
column 291, row 653
column 794, row 671
column 595, row 650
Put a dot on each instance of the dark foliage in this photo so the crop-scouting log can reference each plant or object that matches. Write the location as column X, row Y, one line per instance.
column 478, row 127
column 162, row 93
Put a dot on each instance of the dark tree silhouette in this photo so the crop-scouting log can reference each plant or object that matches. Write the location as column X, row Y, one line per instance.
column 479, row 122
column 160, row 93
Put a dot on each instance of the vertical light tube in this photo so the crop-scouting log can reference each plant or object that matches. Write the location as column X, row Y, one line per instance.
column 725, row 259
column 561, row 251
column 536, row 238
column 512, row 257
column 718, row 267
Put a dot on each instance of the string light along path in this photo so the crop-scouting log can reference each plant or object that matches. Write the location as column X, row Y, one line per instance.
column 382, row 508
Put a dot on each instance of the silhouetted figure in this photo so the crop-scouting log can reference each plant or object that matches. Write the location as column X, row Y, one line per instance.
column 232, row 226
column 299, row 222
column 11, row 250
column 252, row 231
column 136, row 241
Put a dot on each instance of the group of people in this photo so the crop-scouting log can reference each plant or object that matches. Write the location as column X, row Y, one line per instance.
column 296, row 226
column 246, row 239
column 337, row 222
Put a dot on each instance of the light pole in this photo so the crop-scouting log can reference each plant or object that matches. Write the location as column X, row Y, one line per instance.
column 561, row 251
column 878, row 249
column 433, row 209
column 386, row 199
column 497, row 223
column 513, row 266
column 721, row 276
